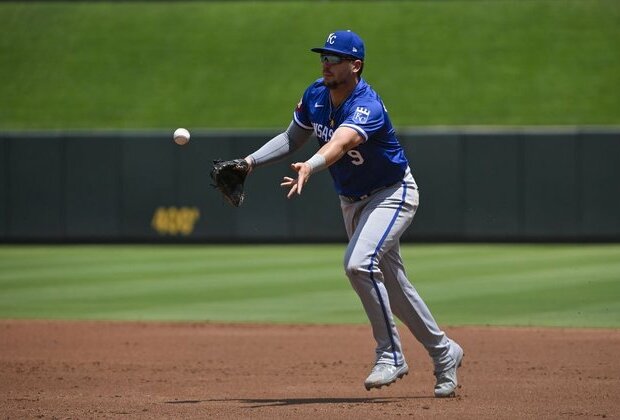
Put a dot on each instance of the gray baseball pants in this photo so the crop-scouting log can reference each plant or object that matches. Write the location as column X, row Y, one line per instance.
column 375, row 269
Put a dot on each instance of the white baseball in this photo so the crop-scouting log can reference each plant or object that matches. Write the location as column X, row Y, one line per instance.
column 181, row 136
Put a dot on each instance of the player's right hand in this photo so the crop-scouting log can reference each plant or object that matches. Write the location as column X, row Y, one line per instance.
column 296, row 184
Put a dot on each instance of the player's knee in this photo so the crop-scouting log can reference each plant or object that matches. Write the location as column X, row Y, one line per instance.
column 350, row 270
column 354, row 266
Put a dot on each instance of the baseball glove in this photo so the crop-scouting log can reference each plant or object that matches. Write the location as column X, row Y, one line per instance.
column 229, row 177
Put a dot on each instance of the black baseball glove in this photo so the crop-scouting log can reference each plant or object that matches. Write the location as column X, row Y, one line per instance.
column 229, row 177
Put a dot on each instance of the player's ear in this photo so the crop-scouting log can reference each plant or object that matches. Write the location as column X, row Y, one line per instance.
column 358, row 66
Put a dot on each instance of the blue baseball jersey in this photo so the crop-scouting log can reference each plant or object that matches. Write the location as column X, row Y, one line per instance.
column 378, row 161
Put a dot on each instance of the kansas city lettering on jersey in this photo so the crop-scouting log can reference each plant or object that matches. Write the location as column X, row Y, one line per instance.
column 323, row 132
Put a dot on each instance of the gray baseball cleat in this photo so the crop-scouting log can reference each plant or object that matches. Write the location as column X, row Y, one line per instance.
column 446, row 381
column 385, row 374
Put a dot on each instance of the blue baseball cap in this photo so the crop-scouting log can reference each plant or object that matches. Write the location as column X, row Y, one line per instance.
column 345, row 43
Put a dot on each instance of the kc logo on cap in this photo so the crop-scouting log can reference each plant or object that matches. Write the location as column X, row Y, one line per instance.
column 346, row 43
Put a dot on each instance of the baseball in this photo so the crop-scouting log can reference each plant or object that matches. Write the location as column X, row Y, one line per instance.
column 181, row 136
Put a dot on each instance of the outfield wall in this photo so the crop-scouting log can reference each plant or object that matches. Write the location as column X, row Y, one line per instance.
column 476, row 185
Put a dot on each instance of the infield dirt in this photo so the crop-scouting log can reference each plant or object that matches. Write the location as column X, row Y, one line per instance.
column 57, row 369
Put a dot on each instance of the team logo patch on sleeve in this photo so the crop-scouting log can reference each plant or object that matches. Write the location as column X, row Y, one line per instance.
column 361, row 115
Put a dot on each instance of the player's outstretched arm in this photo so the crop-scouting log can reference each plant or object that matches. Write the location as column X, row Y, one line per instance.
column 279, row 147
column 343, row 140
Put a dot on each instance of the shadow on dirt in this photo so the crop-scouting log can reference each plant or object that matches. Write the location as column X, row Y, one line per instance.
column 274, row 402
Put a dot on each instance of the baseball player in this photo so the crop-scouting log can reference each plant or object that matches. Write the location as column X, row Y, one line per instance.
column 378, row 197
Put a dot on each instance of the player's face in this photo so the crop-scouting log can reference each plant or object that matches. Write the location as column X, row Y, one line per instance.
column 337, row 70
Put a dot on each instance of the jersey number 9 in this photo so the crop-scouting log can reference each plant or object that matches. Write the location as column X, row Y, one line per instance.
column 356, row 156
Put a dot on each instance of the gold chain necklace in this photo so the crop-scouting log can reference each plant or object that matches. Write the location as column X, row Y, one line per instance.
column 332, row 112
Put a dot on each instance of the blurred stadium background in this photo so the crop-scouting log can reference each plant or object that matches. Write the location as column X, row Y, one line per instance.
column 509, row 111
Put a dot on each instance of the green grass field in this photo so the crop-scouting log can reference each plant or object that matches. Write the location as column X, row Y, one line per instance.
column 543, row 285
column 222, row 64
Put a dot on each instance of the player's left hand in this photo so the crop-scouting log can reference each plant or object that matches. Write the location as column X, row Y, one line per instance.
column 296, row 184
column 229, row 177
